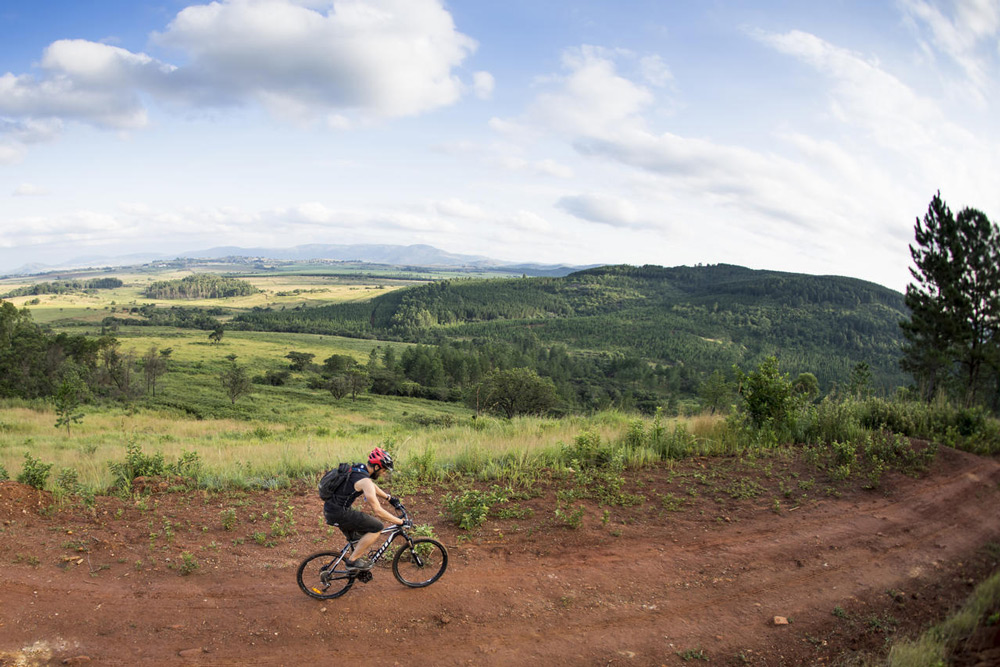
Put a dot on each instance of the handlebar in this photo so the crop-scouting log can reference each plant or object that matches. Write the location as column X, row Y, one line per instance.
column 402, row 513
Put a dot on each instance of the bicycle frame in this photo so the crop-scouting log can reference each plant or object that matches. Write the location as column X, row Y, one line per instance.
column 391, row 531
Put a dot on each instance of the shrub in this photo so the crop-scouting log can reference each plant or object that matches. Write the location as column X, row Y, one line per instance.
column 767, row 395
column 34, row 472
column 4, row 475
column 228, row 517
column 571, row 517
column 188, row 563
column 68, row 481
column 136, row 464
column 844, row 453
column 187, row 466
column 587, row 451
column 470, row 508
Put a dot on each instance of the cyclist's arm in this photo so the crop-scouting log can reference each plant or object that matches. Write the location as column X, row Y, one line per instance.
column 380, row 493
column 368, row 487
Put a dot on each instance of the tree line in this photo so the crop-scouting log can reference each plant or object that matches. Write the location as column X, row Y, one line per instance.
column 200, row 286
column 35, row 363
column 63, row 287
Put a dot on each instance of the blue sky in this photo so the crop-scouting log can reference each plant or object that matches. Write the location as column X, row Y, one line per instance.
column 795, row 136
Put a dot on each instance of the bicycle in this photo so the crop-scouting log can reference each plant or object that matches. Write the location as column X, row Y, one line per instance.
column 419, row 563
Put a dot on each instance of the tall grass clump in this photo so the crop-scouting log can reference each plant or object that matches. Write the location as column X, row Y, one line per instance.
column 936, row 646
column 833, row 420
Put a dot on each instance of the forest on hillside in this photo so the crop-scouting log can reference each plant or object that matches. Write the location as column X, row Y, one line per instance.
column 640, row 332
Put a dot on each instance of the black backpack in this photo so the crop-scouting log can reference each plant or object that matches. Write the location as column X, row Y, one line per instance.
column 333, row 480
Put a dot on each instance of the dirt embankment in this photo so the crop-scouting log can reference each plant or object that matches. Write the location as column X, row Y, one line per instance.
column 696, row 571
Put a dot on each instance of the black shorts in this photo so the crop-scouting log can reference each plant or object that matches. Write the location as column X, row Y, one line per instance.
column 353, row 523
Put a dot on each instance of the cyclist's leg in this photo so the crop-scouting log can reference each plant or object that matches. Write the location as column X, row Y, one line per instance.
column 366, row 542
column 363, row 527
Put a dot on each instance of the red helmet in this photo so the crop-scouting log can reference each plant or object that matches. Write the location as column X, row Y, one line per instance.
column 380, row 458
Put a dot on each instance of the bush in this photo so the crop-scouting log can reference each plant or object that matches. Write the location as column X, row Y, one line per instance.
column 470, row 508
column 4, row 475
column 187, row 466
column 34, row 472
column 136, row 464
column 587, row 451
column 228, row 517
column 768, row 396
column 188, row 564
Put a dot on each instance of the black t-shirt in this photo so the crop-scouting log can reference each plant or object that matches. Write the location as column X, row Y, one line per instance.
column 348, row 494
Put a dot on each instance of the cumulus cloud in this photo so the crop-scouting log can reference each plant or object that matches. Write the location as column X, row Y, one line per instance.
column 593, row 97
column 85, row 81
column 300, row 60
column 604, row 209
column 387, row 57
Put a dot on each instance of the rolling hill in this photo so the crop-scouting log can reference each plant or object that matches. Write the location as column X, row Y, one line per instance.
column 683, row 322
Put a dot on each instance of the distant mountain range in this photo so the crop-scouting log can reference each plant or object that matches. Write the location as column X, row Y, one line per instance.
column 397, row 255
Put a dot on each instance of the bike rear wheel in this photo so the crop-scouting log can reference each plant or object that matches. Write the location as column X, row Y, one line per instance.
column 324, row 575
column 420, row 563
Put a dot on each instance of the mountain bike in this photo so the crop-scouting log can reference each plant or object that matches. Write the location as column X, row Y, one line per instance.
column 419, row 562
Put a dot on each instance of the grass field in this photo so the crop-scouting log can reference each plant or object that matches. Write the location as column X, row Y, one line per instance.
column 282, row 291
column 303, row 439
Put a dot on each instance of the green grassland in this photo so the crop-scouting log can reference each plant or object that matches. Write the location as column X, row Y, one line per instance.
column 288, row 291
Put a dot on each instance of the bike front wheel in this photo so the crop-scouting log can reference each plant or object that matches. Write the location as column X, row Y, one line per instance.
column 325, row 576
column 420, row 563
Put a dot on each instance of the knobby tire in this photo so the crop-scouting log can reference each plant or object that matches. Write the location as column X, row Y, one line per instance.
column 423, row 568
column 311, row 576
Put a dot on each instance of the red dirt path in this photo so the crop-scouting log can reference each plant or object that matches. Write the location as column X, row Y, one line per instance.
column 849, row 568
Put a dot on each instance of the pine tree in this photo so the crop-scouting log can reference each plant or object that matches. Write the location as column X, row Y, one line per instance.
column 952, row 332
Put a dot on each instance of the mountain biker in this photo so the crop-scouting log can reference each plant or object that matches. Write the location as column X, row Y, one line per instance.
column 357, row 525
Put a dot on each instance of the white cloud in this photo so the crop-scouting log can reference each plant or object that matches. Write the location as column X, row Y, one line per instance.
column 299, row 60
column 483, row 84
column 593, row 97
column 17, row 136
column 913, row 132
column 387, row 57
column 655, row 71
column 969, row 37
column 29, row 190
column 604, row 209
column 456, row 208
column 84, row 81
column 527, row 221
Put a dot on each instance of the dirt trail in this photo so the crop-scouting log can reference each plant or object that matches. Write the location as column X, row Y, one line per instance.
column 643, row 588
